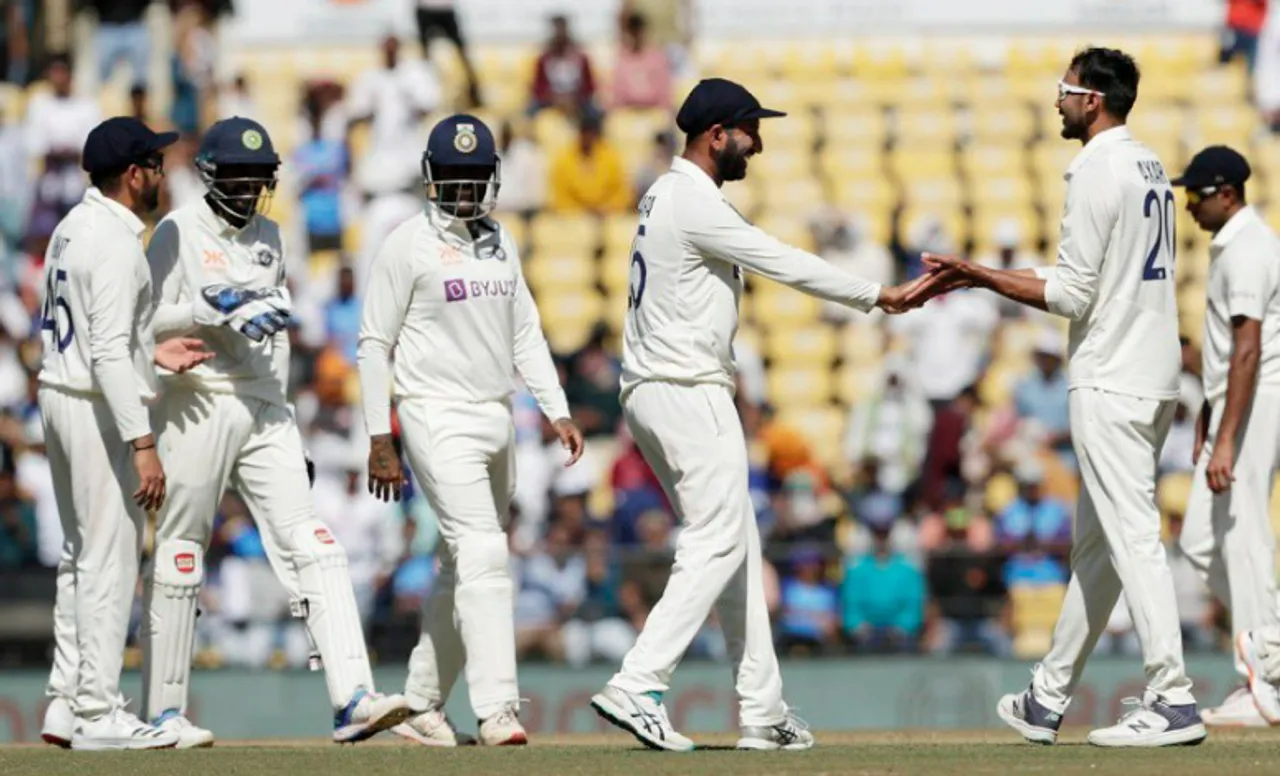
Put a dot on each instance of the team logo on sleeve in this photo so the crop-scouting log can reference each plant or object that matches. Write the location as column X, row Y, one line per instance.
column 465, row 140
column 265, row 255
column 455, row 290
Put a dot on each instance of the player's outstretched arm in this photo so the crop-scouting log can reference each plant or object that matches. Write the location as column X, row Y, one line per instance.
column 1021, row 286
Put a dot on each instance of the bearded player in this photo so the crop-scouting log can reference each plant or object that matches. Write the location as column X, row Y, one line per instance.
column 218, row 269
column 447, row 293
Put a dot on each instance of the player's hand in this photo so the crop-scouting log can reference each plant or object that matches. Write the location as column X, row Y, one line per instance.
column 570, row 439
column 181, row 354
column 1221, row 468
column 386, row 477
column 151, row 491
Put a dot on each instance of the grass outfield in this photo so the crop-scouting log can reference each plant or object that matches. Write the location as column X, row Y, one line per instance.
column 994, row 752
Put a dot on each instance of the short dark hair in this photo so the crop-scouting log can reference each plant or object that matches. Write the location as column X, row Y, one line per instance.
column 1112, row 72
column 107, row 182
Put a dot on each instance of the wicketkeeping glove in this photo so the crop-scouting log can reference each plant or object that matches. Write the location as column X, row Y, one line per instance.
column 255, row 313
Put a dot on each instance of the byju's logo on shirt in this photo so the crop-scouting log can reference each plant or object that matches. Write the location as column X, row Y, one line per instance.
column 457, row 290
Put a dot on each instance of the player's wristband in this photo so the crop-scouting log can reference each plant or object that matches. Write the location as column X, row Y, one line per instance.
column 137, row 449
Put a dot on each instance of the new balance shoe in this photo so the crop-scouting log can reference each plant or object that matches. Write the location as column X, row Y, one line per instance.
column 432, row 728
column 642, row 715
column 791, row 734
column 1152, row 722
column 504, row 728
column 1265, row 694
column 118, row 729
column 1238, row 710
column 59, row 722
column 189, row 736
column 1022, row 712
column 368, row 714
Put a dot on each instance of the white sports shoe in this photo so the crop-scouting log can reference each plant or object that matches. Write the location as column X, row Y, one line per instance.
column 504, row 728
column 59, row 722
column 189, row 736
column 119, row 729
column 367, row 714
column 432, row 728
column 1152, row 722
column 791, row 734
column 1238, row 710
column 1266, row 696
column 642, row 715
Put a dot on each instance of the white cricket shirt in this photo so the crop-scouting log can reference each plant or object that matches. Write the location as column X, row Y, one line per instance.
column 460, row 317
column 193, row 248
column 686, row 280
column 1115, row 273
column 1244, row 280
column 96, row 319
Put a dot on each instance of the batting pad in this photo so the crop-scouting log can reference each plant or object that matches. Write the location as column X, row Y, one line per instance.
column 177, row 572
column 330, row 607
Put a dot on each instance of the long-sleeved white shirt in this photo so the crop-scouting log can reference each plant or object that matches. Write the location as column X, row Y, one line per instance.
column 193, row 248
column 1244, row 281
column 460, row 317
column 686, row 281
column 1115, row 273
column 96, row 317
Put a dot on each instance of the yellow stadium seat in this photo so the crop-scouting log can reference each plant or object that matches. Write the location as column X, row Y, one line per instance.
column 862, row 344
column 879, row 61
column 1009, row 191
column 810, row 346
column 619, row 233
column 567, row 318
column 324, row 264
column 779, row 94
column 926, row 126
column 802, row 387
column 943, row 193
column 552, row 130
column 863, row 129
column 987, row 218
column 981, row 161
column 851, row 162
column 777, row 305
column 1229, row 124
column 1009, row 125
column 1035, row 613
column 565, row 233
column 922, row 161
column 554, row 271
column 615, row 271
column 856, row 382
column 794, row 197
column 923, row 93
column 850, row 93
column 986, row 92
column 777, row 164
column 796, row 134
column 809, row 60
column 1047, row 58
column 13, row 102
column 1000, row 493
column 1050, row 159
column 857, row 192
column 637, row 128
column 517, row 227
column 821, row 426
column 1219, row 86
column 950, row 217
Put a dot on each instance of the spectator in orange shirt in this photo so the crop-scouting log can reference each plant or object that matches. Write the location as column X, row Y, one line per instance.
column 642, row 75
column 588, row 175
column 1244, row 24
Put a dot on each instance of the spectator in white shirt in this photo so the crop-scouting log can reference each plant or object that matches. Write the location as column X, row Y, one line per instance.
column 524, row 173
column 842, row 240
column 948, row 342
column 35, row 478
column 58, row 123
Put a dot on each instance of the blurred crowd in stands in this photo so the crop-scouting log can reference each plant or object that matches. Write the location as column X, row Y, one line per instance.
column 938, row 522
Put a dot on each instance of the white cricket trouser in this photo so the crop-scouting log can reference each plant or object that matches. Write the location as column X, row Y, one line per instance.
column 209, row 441
column 94, row 481
column 464, row 457
column 1117, row 546
column 1228, row 536
column 691, row 436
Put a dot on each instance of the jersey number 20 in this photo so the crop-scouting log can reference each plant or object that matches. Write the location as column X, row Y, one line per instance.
column 1164, row 214
column 639, row 273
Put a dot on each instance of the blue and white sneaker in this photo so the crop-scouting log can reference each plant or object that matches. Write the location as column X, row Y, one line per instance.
column 367, row 714
column 1028, row 716
column 189, row 735
column 642, row 715
column 1152, row 722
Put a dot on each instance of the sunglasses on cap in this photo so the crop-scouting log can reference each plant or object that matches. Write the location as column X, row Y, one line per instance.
column 1196, row 196
column 1065, row 89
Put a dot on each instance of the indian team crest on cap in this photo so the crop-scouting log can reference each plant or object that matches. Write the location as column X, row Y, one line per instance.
column 465, row 139
column 252, row 139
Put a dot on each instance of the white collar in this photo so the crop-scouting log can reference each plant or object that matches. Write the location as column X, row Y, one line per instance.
column 1100, row 140
column 694, row 172
column 131, row 220
column 1233, row 227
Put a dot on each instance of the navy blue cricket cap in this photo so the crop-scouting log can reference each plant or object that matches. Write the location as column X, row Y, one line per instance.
column 1214, row 166
column 461, row 140
column 237, row 140
column 719, row 101
column 119, row 142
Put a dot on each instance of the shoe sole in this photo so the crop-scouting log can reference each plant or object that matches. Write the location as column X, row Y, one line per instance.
column 1191, row 736
column 116, row 746
column 372, row 727
column 202, row 743
column 761, row 745
column 1035, row 735
column 516, row 739
column 406, row 730
column 612, row 714
column 1255, row 682
column 58, row 741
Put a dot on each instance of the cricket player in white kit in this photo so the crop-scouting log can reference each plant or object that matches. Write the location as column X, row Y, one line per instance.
column 448, row 295
column 1115, row 281
column 690, row 251
column 95, row 378
column 1227, row 531
column 218, row 269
